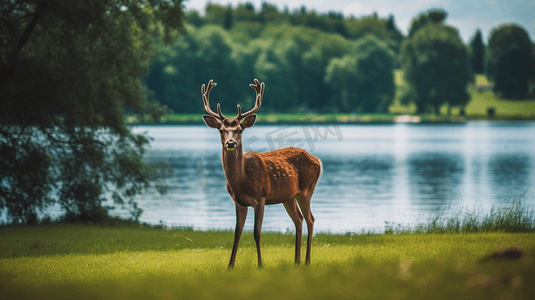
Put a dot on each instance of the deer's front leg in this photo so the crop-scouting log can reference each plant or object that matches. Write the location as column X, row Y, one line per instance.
column 258, row 217
column 241, row 215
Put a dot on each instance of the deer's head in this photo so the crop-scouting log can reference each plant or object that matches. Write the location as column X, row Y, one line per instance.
column 232, row 128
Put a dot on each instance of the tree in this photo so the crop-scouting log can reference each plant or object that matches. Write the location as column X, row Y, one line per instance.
column 436, row 16
column 359, row 28
column 276, row 65
column 510, row 61
column 364, row 77
column 383, row 29
column 245, row 12
column 228, row 22
column 192, row 17
column 477, row 55
column 243, row 32
column 391, row 24
column 315, row 48
column 174, row 74
column 215, row 13
column 337, row 23
column 214, row 54
column 312, row 89
column 269, row 13
column 341, row 75
column 68, row 72
column 376, row 86
column 436, row 66
column 395, row 35
column 203, row 53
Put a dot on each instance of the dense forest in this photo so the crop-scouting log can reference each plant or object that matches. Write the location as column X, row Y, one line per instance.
column 315, row 62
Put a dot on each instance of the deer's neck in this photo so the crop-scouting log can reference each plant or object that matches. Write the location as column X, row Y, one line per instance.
column 233, row 165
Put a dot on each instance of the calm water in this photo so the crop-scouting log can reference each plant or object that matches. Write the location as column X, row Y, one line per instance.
column 372, row 173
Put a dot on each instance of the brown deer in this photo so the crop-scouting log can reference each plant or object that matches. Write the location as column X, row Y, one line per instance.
column 286, row 176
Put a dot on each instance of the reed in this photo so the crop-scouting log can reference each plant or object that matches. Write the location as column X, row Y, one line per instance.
column 515, row 217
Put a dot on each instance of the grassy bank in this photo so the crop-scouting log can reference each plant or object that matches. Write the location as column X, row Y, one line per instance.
column 133, row 262
column 440, row 258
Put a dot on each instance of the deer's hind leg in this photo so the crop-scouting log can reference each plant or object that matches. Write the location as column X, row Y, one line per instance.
column 304, row 203
column 258, row 217
column 297, row 217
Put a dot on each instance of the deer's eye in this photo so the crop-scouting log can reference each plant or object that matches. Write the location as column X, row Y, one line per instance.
column 220, row 130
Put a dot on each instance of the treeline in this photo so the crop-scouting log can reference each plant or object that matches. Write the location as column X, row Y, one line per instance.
column 328, row 63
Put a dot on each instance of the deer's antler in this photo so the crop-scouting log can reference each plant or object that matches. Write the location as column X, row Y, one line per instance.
column 205, row 91
column 259, row 89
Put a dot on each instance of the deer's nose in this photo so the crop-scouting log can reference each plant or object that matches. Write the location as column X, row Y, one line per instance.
column 231, row 144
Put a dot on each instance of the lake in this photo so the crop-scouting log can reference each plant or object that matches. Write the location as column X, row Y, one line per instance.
column 372, row 174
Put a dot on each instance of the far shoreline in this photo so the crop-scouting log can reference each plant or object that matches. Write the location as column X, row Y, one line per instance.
column 349, row 119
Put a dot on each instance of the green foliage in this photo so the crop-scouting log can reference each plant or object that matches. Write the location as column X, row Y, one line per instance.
column 383, row 29
column 203, row 52
column 69, row 70
column 243, row 32
column 290, row 60
column 477, row 52
column 192, row 17
column 215, row 13
column 376, row 78
column 245, row 12
column 276, row 65
column 363, row 78
column 510, row 61
column 434, row 16
column 437, row 67
column 324, row 40
column 332, row 22
column 270, row 13
column 342, row 76
column 229, row 20
column 290, row 51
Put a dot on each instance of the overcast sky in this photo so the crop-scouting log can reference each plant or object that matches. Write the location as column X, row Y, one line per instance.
column 466, row 15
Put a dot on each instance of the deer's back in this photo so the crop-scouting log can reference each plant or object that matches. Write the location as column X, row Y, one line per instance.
column 287, row 171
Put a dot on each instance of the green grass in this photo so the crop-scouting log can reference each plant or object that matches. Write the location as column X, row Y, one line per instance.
column 437, row 259
column 133, row 262
column 477, row 107
column 54, row 240
column 520, row 109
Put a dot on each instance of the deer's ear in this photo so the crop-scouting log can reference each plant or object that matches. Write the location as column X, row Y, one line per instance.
column 248, row 121
column 211, row 121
